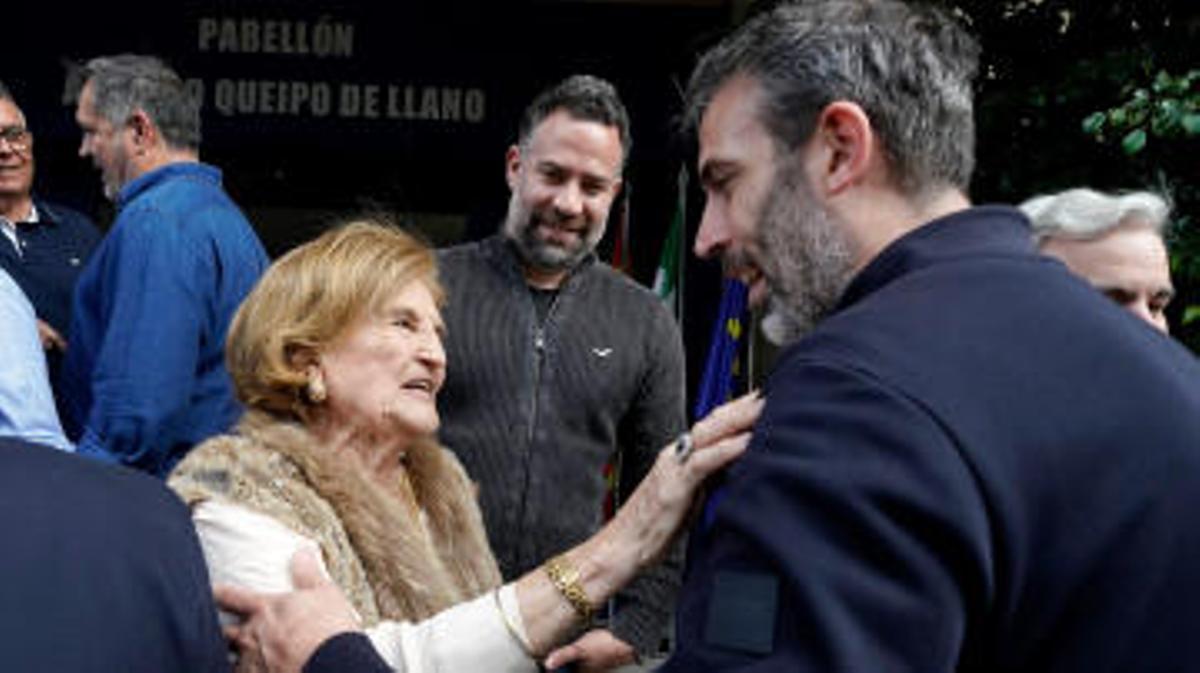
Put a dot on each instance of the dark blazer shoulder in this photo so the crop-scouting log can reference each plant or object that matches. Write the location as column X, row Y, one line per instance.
column 118, row 538
column 84, row 493
column 79, row 223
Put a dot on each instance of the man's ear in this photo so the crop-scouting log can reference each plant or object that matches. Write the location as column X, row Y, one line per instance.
column 512, row 165
column 846, row 145
column 144, row 133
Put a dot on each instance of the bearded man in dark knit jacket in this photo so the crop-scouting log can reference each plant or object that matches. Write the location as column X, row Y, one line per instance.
column 557, row 362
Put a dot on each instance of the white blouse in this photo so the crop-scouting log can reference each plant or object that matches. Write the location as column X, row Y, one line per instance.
column 252, row 550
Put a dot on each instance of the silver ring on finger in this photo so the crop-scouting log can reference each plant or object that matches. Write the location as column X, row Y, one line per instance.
column 684, row 447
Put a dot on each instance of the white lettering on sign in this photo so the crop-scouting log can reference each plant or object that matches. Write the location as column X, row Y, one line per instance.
column 322, row 38
column 427, row 103
column 267, row 97
column 239, row 97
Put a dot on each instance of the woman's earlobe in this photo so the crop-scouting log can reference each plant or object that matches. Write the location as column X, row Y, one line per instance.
column 315, row 388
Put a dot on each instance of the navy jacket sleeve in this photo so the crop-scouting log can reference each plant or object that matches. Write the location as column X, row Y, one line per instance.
column 850, row 537
column 346, row 653
column 102, row 571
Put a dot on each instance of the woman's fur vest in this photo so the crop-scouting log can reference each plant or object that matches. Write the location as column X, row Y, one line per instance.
column 402, row 551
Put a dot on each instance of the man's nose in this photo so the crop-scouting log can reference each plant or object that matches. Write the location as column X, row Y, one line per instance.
column 713, row 236
column 569, row 200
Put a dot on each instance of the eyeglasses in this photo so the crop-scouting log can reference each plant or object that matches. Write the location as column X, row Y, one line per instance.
column 17, row 137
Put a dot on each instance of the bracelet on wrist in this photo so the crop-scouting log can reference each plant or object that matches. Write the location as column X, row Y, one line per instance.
column 565, row 577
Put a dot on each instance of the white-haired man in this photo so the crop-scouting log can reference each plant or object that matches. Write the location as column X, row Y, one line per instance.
column 1114, row 241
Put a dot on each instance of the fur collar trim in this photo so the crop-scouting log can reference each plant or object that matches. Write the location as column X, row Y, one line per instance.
column 420, row 540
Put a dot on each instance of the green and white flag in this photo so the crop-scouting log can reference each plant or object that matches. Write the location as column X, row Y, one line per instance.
column 668, row 279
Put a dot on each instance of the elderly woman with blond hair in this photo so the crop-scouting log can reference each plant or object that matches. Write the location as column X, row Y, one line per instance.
column 337, row 355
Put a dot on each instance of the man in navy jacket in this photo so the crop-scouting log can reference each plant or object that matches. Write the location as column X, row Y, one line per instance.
column 102, row 570
column 968, row 459
column 44, row 244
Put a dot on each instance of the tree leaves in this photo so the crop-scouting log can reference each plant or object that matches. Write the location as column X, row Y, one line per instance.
column 1134, row 141
column 1167, row 107
column 1190, row 123
column 1093, row 124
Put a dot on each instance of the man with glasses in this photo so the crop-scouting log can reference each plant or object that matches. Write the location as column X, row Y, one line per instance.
column 44, row 245
column 145, row 375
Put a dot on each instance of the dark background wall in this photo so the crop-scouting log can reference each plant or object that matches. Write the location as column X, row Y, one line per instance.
column 344, row 123
column 318, row 109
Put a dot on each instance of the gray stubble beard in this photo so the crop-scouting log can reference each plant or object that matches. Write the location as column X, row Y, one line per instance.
column 806, row 258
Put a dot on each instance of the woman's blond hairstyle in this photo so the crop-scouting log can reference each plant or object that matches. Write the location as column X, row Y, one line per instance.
column 307, row 299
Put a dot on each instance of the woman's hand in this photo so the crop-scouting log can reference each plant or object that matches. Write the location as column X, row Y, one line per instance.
column 642, row 529
column 658, row 507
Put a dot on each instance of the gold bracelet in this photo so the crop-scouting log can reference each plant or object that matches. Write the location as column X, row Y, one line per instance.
column 565, row 577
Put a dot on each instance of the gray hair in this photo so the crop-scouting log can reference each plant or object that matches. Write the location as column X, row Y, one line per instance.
column 123, row 84
column 909, row 68
column 1085, row 214
column 5, row 94
column 584, row 97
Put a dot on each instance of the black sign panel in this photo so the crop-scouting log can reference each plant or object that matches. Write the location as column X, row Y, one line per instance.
column 316, row 108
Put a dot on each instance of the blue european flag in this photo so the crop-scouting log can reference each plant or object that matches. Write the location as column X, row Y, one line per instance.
column 723, row 370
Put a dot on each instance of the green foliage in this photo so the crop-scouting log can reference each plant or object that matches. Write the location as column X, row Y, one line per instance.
column 1169, row 108
column 1134, row 141
column 1165, row 108
column 1191, row 314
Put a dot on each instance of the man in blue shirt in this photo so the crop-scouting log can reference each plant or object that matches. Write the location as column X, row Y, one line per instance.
column 145, row 375
column 26, row 407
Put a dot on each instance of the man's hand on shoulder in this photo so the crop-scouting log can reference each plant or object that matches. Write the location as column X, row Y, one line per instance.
column 284, row 630
column 595, row 651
